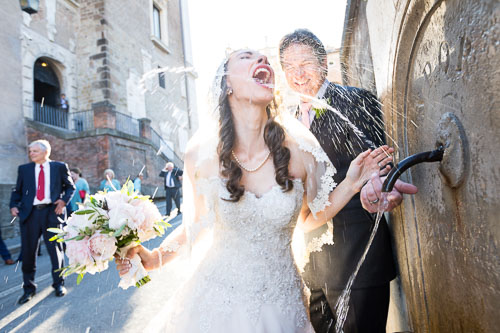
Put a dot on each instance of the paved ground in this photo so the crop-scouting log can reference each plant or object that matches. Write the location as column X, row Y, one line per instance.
column 96, row 305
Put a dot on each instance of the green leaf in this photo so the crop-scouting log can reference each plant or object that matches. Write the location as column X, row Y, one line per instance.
column 130, row 187
column 79, row 279
column 60, row 240
column 55, row 230
column 119, row 231
column 79, row 237
column 53, row 238
column 84, row 212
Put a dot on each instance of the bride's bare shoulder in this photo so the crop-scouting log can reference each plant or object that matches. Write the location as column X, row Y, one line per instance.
column 200, row 158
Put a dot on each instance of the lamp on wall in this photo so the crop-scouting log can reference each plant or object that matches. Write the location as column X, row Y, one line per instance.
column 30, row 6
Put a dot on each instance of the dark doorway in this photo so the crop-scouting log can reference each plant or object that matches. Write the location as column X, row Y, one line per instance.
column 47, row 99
column 46, row 84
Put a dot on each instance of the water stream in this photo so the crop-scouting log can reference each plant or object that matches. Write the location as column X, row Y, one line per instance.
column 342, row 306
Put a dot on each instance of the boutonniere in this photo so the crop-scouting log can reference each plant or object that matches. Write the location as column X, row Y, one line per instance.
column 321, row 107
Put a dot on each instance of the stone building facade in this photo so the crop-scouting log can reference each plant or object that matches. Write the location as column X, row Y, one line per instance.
column 126, row 70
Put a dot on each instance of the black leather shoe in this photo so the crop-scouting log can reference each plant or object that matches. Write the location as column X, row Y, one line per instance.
column 60, row 291
column 26, row 297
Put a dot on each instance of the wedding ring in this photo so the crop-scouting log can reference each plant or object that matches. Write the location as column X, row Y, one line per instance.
column 374, row 201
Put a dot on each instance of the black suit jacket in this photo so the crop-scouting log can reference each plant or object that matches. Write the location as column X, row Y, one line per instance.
column 23, row 194
column 352, row 225
column 176, row 173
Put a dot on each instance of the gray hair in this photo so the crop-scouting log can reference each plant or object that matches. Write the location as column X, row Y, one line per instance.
column 169, row 164
column 109, row 171
column 43, row 144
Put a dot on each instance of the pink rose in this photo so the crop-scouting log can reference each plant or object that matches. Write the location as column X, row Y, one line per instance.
column 149, row 215
column 97, row 266
column 78, row 252
column 102, row 247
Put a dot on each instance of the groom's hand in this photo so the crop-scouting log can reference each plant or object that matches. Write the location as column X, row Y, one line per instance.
column 372, row 192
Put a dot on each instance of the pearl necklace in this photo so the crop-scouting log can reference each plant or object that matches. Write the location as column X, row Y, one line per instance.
column 250, row 170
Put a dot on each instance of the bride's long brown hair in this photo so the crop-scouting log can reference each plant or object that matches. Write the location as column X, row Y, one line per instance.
column 274, row 137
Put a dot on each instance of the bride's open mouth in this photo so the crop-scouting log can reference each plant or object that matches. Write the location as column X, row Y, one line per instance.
column 263, row 76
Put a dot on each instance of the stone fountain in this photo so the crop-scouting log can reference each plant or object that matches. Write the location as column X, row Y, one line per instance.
column 434, row 65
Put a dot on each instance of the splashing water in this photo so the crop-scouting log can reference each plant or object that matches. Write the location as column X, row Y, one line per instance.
column 342, row 306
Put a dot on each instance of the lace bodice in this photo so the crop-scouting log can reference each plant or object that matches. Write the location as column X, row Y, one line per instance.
column 250, row 263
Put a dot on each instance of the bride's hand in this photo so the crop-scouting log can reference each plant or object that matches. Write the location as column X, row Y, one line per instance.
column 368, row 162
column 148, row 259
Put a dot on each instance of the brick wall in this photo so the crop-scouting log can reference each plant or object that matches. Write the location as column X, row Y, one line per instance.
column 96, row 153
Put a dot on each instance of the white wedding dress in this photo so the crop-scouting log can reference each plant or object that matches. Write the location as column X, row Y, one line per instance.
column 247, row 281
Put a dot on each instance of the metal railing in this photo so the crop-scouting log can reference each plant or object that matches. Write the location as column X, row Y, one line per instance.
column 81, row 121
column 50, row 115
column 57, row 117
column 127, row 124
column 84, row 121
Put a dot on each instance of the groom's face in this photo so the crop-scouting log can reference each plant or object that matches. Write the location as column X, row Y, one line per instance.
column 303, row 70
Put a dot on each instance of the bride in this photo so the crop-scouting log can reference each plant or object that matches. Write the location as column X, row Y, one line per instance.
column 248, row 184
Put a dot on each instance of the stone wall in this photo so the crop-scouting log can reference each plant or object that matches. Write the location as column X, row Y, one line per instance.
column 355, row 55
column 435, row 65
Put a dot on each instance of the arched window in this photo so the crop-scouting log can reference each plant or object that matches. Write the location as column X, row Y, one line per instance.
column 48, row 105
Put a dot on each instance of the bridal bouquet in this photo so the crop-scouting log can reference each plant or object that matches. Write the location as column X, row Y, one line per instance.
column 110, row 223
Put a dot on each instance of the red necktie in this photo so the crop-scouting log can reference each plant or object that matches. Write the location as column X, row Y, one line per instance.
column 40, row 191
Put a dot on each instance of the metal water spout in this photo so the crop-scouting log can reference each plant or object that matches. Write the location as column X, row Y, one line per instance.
column 397, row 171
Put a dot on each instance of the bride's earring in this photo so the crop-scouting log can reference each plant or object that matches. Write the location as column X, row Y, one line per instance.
column 229, row 91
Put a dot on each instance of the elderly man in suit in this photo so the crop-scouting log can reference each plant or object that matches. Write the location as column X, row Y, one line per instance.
column 304, row 61
column 173, row 182
column 42, row 191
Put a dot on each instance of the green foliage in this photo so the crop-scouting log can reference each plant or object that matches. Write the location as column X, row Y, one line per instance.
column 142, row 281
column 119, row 231
column 84, row 212
column 79, row 279
column 320, row 112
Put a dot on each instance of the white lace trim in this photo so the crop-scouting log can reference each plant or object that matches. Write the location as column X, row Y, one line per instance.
column 317, row 243
column 327, row 183
column 172, row 246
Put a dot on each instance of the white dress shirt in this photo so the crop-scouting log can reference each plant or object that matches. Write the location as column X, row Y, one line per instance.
column 46, row 171
column 169, row 181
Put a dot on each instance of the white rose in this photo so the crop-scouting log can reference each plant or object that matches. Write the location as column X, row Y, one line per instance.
column 115, row 199
column 120, row 215
column 79, row 222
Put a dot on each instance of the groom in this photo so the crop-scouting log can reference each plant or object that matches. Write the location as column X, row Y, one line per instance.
column 304, row 61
